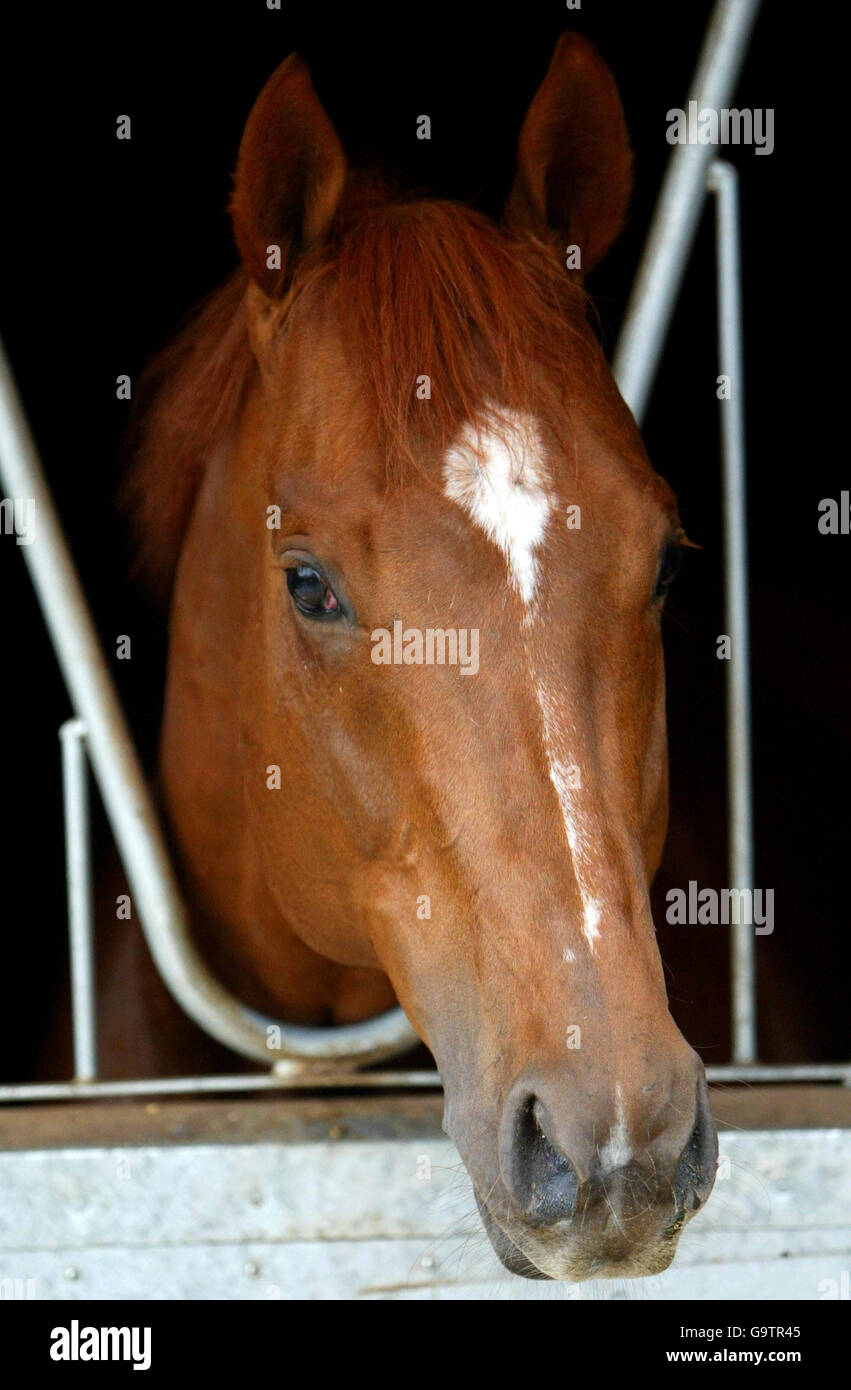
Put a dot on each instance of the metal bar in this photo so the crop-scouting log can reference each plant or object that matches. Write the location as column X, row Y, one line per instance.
column 723, row 182
column 359, row 1081
column 75, row 788
column 206, row 1085
column 128, row 801
column 677, row 213
column 761, row 1072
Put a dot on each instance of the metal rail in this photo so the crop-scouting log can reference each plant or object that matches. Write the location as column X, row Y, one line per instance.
column 357, row 1081
column 81, row 917
column 692, row 171
column 675, row 220
column 723, row 182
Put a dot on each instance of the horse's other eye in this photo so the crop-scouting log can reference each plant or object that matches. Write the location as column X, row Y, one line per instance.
column 311, row 594
column 669, row 568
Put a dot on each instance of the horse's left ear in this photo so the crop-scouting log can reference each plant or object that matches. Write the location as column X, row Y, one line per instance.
column 289, row 177
column 573, row 158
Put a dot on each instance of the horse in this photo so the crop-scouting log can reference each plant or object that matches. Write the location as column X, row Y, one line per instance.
column 396, row 417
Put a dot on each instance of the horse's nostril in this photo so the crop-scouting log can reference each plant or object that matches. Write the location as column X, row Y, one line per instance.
column 542, row 1180
column 695, row 1172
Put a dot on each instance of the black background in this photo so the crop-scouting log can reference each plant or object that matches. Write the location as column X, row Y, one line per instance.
column 107, row 244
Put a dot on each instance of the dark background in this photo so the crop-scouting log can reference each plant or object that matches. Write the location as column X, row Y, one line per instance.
column 107, row 244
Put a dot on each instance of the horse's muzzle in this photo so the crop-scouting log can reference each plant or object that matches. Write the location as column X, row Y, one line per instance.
column 601, row 1211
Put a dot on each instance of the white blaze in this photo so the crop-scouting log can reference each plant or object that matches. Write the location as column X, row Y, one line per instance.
column 495, row 472
column 578, row 838
column 617, row 1150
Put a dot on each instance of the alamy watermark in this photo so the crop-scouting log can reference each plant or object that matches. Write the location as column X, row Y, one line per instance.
column 84, row 1343
column 17, row 517
column 432, row 646
column 835, row 519
column 709, row 907
column 707, row 126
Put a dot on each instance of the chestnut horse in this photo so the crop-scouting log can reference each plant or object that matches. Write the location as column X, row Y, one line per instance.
column 396, row 422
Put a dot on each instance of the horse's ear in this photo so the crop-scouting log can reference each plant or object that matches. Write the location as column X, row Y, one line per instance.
column 289, row 177
column 573, row 157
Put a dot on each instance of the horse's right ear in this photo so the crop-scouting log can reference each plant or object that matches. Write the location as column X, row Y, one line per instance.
column 289, row 177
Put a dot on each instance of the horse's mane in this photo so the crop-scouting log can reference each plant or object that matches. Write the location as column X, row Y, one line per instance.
column 419, row 288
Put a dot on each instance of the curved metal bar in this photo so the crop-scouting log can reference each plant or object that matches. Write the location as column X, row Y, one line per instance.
column 130, row 806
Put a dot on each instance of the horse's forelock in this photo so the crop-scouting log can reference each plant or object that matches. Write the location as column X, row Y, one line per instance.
column 441, row 311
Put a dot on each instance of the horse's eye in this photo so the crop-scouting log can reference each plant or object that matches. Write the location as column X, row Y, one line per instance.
column 669, row 568
column 311, row 594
